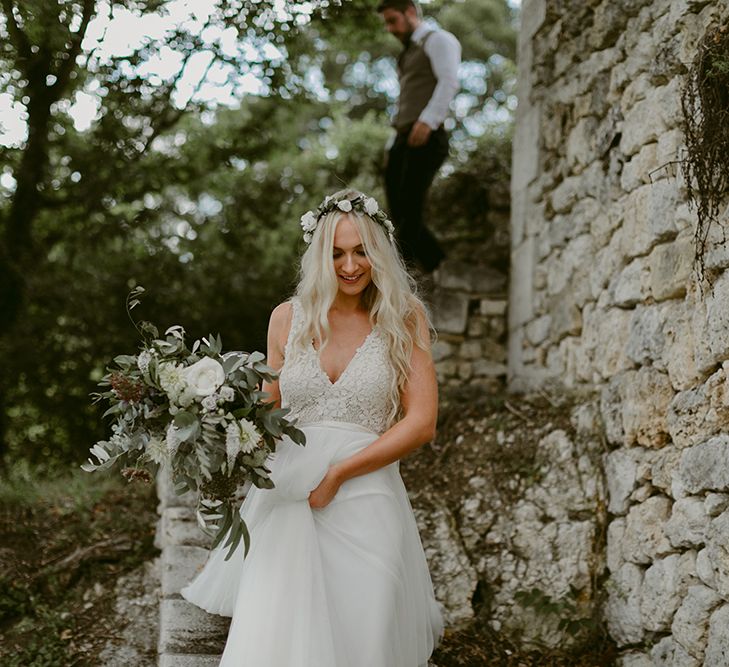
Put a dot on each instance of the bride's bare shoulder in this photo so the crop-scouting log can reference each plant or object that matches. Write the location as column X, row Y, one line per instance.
column 280, row 321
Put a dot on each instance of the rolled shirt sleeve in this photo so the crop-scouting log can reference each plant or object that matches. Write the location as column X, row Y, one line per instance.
column 444, row 53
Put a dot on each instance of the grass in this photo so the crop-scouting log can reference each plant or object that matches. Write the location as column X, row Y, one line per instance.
column 66, row 537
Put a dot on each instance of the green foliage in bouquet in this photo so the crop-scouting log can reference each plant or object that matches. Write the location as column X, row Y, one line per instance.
column 200, row 413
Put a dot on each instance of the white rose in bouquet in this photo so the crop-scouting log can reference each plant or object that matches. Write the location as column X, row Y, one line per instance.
column 227, row 394
column 210, row 403
column 205, row 376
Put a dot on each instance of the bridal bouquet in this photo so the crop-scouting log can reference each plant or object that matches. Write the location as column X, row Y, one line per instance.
column 198, row 412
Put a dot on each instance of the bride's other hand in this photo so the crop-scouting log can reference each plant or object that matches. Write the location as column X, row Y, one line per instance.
column 322, row 495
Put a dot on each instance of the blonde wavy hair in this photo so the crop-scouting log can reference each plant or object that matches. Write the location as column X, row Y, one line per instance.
column 391, row 297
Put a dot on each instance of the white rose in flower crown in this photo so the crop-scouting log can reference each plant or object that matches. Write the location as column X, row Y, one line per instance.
column 205, row 376
column 389, row 226
column 308, row 221
column 344, row 205
column 370, row 206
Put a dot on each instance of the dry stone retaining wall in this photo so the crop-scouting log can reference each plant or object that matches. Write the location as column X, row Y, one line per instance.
column 603, row 298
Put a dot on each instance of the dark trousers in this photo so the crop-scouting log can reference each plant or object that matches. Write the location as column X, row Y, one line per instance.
column 408, row 175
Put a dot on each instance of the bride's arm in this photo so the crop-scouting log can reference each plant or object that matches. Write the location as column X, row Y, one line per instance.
column 420, row 407
column 278, row 329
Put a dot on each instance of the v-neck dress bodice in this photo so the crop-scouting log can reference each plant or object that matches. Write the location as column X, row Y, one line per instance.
column 360, row 395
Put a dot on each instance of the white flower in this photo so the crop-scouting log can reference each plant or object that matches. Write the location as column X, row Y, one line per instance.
column 172, row 439
column 205, row 376
column 172, row 379
column 232, row 442
column 143, row 361
column 209, row 403
column 344, row 205
column 249, row 435
column 227, row 394
column 157, row 450
column 308, row 221
column 371, row 206
column 389, row 226
column 307, row 237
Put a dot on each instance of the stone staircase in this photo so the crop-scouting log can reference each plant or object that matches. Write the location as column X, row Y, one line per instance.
column 188, row 636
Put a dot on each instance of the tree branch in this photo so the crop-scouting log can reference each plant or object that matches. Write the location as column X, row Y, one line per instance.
column 67, row 65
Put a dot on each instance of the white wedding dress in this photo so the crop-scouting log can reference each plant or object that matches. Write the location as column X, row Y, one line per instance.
column 343, row 586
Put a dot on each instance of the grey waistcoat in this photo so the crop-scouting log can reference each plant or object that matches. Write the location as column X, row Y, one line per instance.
column 417, row 83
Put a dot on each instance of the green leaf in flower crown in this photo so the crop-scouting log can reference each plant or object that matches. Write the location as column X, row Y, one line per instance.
column 149, row 328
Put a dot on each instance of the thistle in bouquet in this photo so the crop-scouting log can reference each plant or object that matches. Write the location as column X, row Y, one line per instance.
column 200, row 414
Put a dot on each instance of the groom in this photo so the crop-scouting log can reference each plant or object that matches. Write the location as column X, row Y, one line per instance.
column 428, row 74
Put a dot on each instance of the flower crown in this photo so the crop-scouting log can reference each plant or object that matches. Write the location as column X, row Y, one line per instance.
column 360, row 203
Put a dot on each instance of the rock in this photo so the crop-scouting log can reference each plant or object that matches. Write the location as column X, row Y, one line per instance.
column 450, row 311
column 717, row 552
column 691, row 621
column 441, row 350
column 645, row 537
column 621, row 468
column 717, row 648
column 634, row 659
column 168, row 660
column 187, row 629
column 716, row 503
column 477, row 278
column 704, row 569
column 180, row 564
column 665, row 462
column 624, row 619
column 649, row 216
column 688, row 524
column 647, row 395
column 611, row 410
column 698, row 413
column 492, row 307
column 670, row 266
column 646, row 340
column 632, row 284
column 453, row 574
column 704, row 467
column 179, row 526
column 665, row 584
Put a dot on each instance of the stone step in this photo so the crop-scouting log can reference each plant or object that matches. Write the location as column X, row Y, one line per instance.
column 176, row 660
column 188, row 630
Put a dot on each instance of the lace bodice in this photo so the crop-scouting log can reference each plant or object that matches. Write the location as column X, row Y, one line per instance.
column 360, row 394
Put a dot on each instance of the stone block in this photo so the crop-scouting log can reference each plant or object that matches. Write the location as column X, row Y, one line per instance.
column 492, row 307
column 647, row 393
column 711, row 330
column 632, row 284
column 691, row 622
column 636, row 172
column 621, row 468
column 717, row 646
column 649, row 217
column 611, row 410
column 645, row 537
column 188, row 630
column 704, row 467
column 616, row 531
column 704, row 569
column 670, row 266
column 168, row 497
column 716, row 503
column 487, row 368
column 471, row 278
column 665, row 584
column 688, row 524
column 174, row 660
column 622, row 610
column 717, row 553
column 678, row 356
column 665, row 462
column 180, row 564
column 178, row 525
column 647, row 340
column 696, row 414
column 441, row 350
column 634, row 659
column 450, row 311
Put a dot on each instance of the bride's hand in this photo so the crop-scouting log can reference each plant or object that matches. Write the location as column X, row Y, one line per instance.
column 322, row 495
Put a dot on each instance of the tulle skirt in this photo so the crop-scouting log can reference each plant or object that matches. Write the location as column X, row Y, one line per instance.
column 343, row 586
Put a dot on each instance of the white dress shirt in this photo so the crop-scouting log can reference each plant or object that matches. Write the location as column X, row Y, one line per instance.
column 444, row 52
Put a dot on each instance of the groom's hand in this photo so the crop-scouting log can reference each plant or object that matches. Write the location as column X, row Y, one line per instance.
column 419, row 134
column 323, row 494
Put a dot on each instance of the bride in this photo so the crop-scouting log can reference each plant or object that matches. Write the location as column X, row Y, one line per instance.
column 336, row 575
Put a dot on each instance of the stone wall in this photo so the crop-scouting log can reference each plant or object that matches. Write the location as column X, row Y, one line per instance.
column 603, row 299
